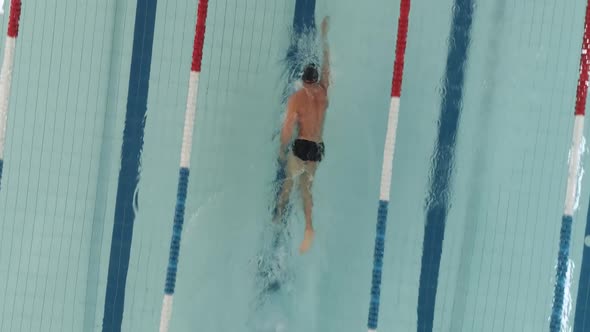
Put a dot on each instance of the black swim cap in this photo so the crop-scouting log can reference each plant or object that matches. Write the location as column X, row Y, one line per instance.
column 310, row 73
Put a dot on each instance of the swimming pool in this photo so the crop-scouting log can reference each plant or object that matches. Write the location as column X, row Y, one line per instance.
column 90, row 172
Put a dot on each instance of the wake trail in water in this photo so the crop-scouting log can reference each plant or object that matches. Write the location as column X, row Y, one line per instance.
column 273, row 281
column 280, row 289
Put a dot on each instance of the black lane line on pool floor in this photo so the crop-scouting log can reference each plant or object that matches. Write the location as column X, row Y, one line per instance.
column 437, row 203
column 141, row 60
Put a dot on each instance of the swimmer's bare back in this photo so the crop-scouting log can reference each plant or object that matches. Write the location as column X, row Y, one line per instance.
column 309, row 105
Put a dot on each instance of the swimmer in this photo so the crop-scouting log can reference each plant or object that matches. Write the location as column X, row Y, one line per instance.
column 306, row 109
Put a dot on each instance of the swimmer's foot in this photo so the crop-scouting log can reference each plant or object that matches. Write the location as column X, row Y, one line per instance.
column 307, row 240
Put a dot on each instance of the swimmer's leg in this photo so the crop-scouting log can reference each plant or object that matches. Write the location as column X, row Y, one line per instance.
column 305, row 187
column 293, row 167
column 283, row 199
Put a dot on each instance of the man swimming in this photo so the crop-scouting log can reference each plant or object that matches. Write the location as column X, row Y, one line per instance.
column 306, row 110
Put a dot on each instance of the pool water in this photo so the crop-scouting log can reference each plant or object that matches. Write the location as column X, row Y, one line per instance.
column 480, row 168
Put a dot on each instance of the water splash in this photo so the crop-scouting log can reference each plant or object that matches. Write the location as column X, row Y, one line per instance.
column 303, row 49
column 274, row 278
column 273, row 262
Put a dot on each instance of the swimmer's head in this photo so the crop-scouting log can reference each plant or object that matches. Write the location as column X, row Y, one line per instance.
column 310, row 74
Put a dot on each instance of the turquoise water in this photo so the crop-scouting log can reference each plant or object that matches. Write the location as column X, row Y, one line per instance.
column 65, row 130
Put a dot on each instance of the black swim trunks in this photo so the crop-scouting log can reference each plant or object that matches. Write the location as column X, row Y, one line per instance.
column 308, row 150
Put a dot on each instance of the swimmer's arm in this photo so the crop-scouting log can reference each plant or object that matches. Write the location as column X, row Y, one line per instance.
column 288, row 125
column 325, row 79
